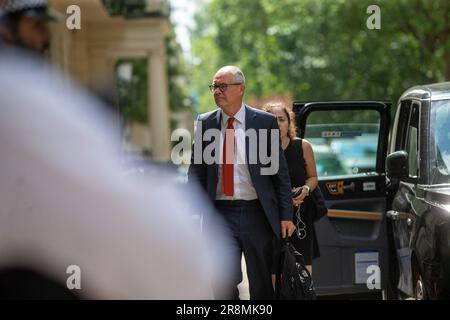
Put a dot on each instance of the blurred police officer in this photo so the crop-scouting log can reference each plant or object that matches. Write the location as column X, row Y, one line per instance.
column 64, row 201
column 24, row 24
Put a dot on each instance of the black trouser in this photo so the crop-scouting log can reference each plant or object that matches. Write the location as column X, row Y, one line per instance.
column 252, row 235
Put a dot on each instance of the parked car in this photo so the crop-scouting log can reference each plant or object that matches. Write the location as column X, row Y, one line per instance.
column 344, row 156
column 360, row 155
column 328, row 163
column 418, row 168
column 396, row 217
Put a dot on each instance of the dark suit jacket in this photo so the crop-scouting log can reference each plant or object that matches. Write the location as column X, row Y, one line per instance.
column 274, row 191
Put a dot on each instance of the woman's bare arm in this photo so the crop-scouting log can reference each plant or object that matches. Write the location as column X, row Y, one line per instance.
column 311, row 172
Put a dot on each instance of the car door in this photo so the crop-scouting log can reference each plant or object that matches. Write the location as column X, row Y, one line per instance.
column 403, row 214
column 349, row 140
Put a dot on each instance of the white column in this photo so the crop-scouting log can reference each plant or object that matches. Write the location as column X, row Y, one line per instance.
column 159, row 106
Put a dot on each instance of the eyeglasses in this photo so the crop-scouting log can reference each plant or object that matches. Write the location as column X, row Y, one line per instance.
column 222, row 87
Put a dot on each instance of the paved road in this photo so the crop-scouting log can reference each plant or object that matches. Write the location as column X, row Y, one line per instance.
column 245, row 295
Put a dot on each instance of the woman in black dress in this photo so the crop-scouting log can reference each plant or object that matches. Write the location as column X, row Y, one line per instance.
column 302, row 170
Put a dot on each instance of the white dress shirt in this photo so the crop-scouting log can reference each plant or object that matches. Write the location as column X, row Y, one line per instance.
column 243, row 185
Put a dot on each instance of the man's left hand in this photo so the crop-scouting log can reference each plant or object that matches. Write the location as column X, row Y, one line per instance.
column 287, row 228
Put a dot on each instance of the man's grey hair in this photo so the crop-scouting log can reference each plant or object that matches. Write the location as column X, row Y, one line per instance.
column 236, row 72
column 239, row 76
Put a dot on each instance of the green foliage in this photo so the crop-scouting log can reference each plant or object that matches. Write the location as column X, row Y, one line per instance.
column 343, row 117
column 133, row 94
column 114, row 7
column 322, row 50
column 136, row 8
column 177, row 72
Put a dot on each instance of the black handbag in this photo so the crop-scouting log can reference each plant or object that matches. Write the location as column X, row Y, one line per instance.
column 320, row 208
column 293, row 280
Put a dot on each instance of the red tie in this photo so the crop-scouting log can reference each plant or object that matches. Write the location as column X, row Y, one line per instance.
column 228, row 159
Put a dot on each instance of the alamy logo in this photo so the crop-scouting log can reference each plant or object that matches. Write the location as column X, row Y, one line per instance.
column 74, row 280
column 73, row 22
column 374, row 280
column 374, row 21
column 208, row 147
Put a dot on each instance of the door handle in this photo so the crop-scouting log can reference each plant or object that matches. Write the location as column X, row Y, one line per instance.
column 349, row 187
column 393, row 215
column 338, row 187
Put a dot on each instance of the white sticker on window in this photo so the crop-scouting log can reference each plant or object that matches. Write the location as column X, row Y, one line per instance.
column 369, row 186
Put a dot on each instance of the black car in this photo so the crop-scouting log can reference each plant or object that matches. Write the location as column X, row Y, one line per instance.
column 418, row 167
column 387, row 232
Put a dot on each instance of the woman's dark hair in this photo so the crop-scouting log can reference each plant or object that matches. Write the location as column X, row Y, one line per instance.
column 292, row 129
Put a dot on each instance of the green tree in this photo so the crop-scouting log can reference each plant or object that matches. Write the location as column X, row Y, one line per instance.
column 322, row 50
column 133, row 93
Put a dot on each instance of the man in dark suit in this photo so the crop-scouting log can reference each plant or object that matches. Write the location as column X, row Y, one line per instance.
column 256, row 206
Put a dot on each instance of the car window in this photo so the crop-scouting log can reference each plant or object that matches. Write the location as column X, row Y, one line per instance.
column 440, row 124
column 402, row 126
column 344, row 142
column 411, row 143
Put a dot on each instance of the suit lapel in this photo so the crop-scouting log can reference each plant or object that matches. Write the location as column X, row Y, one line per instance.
column 250, row 123
column 216, row 119
column 216, row 124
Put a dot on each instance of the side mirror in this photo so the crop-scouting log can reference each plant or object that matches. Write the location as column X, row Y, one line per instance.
column 397, row 165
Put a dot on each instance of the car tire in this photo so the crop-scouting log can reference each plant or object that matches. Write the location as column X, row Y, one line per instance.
column 420, row 291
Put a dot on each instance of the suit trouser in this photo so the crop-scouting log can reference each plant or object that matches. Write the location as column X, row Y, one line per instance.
column 252, row 235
